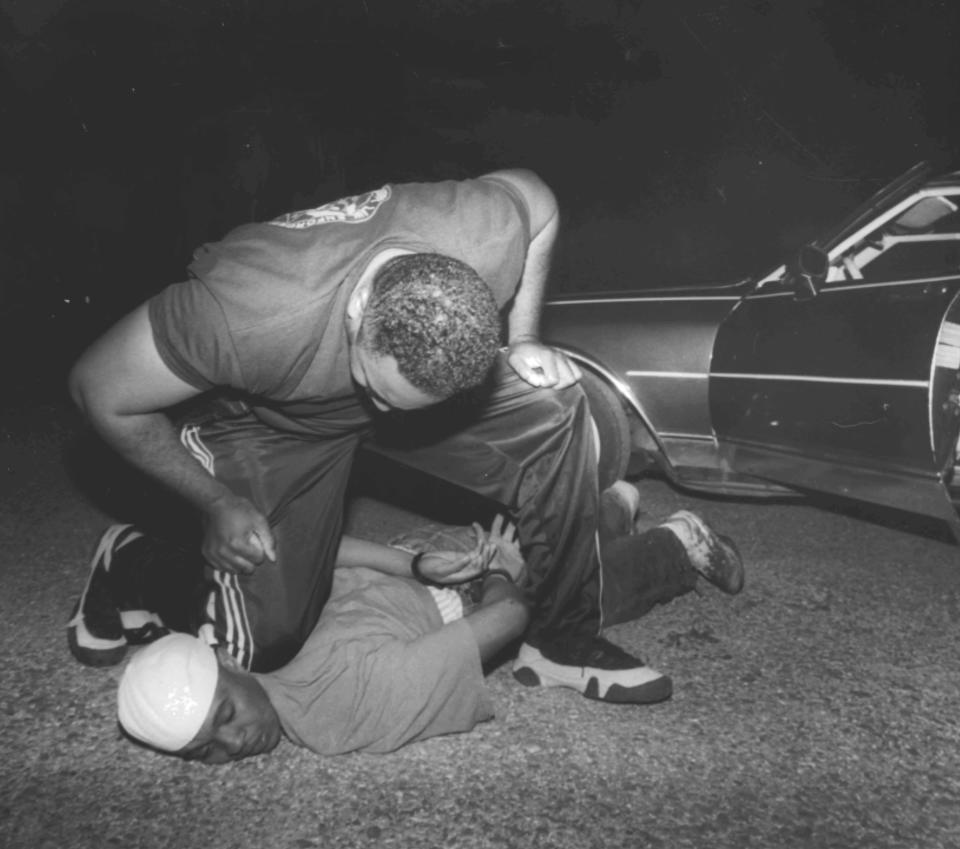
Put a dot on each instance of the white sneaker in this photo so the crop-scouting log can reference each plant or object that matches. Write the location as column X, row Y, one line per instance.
column 592, row 666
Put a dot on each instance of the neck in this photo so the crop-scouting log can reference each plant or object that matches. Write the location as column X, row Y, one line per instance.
column 361, row 290
column 377, row 262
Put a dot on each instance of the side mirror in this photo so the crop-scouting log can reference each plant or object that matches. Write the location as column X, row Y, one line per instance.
column 808, row 272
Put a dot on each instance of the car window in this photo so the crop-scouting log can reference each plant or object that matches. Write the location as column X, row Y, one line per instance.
column 922, row 241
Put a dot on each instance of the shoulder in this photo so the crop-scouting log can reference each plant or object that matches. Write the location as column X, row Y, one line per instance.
column 536, row 195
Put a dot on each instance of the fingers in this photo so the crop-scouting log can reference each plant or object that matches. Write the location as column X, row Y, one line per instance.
column 503, row 528
column 561, row 370
column 262, row 537
column 542, row 366
column 527, row 368
column 240, row 555
column 568, row 372
column 232, row 560
column 439, row 567
column 237, row 536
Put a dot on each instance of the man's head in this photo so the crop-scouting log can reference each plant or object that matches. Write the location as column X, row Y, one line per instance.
column 429, row 329
column 178, row 695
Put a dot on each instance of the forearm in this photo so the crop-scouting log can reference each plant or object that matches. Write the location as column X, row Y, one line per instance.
column 544, row 217
column 122, row 386
column 501, row 618
column 150, row 442
column 354, row 551
column 523, row 321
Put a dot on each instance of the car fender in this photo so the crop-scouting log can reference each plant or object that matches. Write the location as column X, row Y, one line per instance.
column 633, row 407
column 654, row 349
column 626, row 439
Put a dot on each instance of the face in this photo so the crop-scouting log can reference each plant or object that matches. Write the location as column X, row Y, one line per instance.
column 241, row 722
column 380, row 381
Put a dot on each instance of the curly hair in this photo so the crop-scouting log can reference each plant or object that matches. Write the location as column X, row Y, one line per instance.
column 437, row 317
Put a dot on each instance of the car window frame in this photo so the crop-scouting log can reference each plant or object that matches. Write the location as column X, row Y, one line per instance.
column 839, row 273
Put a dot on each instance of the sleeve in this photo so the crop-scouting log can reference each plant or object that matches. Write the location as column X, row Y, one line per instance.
column 192, row 336
column 393, row 693
column 481, row 222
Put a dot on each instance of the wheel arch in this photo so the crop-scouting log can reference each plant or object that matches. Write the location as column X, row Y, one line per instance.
column 643, row 436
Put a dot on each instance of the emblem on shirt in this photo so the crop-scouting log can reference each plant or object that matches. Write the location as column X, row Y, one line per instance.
column 351, row 210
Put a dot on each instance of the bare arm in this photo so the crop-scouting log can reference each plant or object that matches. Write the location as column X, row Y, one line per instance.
column 354, row 552
column 122, row 387
column 439, row 566
column 501, row 618
column 538, row 364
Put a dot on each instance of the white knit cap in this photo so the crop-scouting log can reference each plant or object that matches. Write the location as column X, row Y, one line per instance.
column 166, row 691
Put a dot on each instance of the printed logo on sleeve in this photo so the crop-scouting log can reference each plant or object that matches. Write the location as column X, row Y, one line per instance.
column 351, row 210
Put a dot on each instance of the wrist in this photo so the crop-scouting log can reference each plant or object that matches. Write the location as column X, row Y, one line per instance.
column 502, row 574
column 218, row 498
column 415, row 570
column 524, row 337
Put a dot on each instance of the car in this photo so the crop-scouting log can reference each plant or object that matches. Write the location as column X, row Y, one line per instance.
column 837, row 372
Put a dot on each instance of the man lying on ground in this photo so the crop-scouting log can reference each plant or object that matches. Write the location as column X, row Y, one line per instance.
column 393, row 660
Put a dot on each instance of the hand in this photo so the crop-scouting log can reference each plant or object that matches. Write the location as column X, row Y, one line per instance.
column 506, row 556
column 236, row 536
column 540, row 365
column 456, row 567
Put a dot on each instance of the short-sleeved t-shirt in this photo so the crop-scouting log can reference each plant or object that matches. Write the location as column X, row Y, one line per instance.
column 380, row 670
column 263, row 311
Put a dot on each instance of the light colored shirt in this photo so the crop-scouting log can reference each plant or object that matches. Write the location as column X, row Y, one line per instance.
column 379, row 671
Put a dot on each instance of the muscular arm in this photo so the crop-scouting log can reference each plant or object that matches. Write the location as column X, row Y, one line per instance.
column 538, row 364
column 122, row 387
column 524, row 318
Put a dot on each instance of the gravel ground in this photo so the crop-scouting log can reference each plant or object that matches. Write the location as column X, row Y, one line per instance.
column 816, row 709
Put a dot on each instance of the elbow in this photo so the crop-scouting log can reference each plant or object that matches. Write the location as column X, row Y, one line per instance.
column 540, row 199
column 87, row 394
column 77, row 387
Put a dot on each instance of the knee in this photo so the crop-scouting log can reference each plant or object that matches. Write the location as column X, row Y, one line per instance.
column 559, row 402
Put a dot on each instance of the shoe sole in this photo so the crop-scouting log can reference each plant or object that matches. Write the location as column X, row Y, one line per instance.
column 647, row 687
column 86, row 647
column 91, row 650
column 716, row 550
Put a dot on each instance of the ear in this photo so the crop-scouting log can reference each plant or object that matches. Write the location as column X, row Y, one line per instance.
column 227, row 660
column 358, row 301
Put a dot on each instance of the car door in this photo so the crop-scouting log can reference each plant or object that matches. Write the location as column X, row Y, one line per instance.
column 851, row 387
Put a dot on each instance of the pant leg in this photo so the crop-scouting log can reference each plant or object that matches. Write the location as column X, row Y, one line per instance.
column 533, row 451
column 642, row 571
column 299, row 483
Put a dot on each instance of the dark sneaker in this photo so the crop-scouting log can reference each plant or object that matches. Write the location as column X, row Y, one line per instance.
column 712, row 555
column 95, row 632
column 592, row 666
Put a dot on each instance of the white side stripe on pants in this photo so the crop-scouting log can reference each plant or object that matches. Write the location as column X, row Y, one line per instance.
column 596, row 536
column 190, row 439
column 234, row 611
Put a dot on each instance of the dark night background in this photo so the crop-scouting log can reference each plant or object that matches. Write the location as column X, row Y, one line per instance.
column 691, row 141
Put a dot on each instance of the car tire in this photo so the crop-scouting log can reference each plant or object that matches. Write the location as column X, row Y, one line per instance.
column 612, row 427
